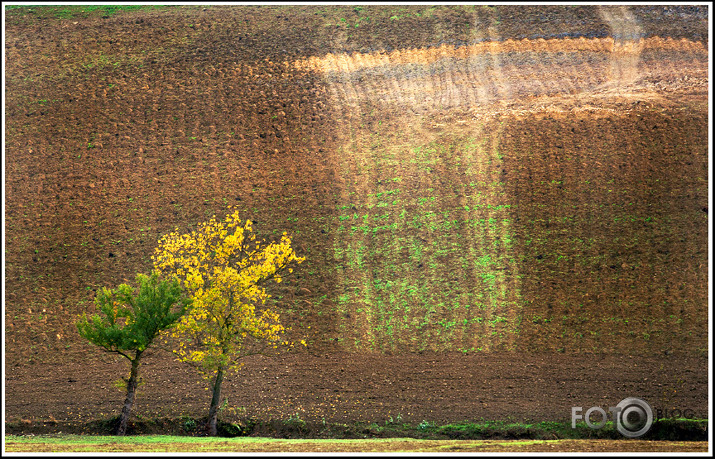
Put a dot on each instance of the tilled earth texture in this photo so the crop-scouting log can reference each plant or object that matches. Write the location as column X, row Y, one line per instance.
column 503, row 209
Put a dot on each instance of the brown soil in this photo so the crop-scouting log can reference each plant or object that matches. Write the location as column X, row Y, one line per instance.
column 438, row 387
column 590, row 123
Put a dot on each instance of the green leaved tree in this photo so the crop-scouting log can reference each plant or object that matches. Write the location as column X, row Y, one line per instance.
column 128, row 322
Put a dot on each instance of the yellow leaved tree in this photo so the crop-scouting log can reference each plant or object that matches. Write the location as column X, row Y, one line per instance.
column 225, row 269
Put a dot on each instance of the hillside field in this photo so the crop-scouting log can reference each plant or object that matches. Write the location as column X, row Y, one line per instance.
column 503, row 209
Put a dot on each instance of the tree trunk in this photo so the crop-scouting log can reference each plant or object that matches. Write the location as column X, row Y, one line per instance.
column 212, row 424
column 132, row 384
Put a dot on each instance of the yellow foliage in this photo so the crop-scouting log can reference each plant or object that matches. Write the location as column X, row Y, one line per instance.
column 225, row 269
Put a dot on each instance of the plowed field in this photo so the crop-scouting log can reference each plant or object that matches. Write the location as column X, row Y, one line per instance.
column 503, row 210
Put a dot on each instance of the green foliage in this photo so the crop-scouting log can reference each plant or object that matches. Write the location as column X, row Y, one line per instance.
column 74, row 11
column 129, row 319
column 189, row 424
column 424, row 425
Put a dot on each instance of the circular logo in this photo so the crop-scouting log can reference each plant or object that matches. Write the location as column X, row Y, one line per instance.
column 634, row 417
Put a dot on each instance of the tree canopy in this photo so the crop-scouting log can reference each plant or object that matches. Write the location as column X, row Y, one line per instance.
column 225, row 269
column 130, row 320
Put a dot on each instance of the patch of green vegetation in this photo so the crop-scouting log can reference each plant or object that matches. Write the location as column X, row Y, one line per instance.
column 665, row 429
column 258, row 444
column 294, row 429
column 405, row 262
column 73, row 11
